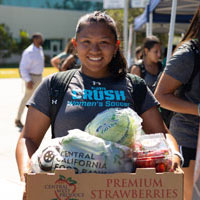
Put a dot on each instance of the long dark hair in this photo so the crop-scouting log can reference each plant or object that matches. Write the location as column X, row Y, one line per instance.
column 118, row 65
column 193, row 31
column 69, row 49
column 149, row 43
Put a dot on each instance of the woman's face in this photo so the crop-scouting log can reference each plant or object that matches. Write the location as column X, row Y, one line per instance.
column 96, row 47
column 154, row 53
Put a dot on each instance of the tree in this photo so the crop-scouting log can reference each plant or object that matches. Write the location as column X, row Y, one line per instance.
column 24, row 41
column 7, row 43
column 118, row 16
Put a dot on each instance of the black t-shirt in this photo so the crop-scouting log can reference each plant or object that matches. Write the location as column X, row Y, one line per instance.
column 85, row 98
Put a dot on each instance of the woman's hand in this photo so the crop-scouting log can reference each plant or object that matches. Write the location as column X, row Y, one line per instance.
column 29, row 85
column 32, row 134
column 176, row 163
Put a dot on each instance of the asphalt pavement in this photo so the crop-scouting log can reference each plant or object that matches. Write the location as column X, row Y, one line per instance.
column 11, row 93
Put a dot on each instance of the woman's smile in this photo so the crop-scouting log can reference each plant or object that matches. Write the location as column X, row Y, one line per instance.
column 96, row 47
column 95, row 58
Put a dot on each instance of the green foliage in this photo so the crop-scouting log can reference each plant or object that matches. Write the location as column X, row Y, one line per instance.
column 118, row 16
column 23, row 42
column 7, row 44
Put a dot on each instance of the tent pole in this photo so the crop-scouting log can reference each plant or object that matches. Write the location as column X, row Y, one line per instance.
column 147, row 22
column 171, row 29
column 130, row 41
column 125, row 26
column 150, row 23
column 134, row 43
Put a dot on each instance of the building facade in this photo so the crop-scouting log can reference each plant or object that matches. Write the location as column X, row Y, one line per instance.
column 55, row 19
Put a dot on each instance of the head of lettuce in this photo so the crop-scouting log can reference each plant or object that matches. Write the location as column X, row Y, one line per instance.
column 120, row 125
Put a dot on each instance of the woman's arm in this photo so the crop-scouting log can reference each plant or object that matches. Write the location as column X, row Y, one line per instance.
column 165, row 95
column 67, row 63
column 55, row 61
column 32, row 134
column 153, row 123
column 136, row 70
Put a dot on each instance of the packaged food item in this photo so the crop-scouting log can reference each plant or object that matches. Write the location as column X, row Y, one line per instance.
column 153, row 151
column 84, row 153
column 120, row 125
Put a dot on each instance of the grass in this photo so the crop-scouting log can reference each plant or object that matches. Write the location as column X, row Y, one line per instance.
column 14, row 72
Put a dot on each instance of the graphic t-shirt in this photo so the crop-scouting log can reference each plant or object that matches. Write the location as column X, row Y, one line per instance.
column 85, row 98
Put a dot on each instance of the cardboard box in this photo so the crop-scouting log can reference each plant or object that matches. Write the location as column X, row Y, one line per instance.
column 66, row 185
column 196, row 189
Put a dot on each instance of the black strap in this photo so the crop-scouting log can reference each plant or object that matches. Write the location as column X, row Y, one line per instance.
column 58, row 86
column 139, row 91
column 60, row 82
column 140, row 64
column 143, row 70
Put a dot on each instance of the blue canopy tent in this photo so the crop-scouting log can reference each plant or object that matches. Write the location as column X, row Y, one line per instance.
column 154, row 7
column 166, row 16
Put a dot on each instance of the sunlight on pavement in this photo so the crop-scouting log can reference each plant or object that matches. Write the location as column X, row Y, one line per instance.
column 14, row 72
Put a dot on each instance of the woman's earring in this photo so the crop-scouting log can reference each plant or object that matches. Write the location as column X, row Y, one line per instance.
column 118, row 43
column 74, row 42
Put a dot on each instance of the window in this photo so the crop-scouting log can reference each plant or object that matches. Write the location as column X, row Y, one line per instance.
column 86, row 5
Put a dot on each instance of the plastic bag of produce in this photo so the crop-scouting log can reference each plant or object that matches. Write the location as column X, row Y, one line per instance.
column 120, row 125
column 83, row 152
column 153, row 151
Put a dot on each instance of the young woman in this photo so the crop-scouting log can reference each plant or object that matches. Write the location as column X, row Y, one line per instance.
column 67, row 59
column 103, row 69
column 149, row 67
column 179, row 90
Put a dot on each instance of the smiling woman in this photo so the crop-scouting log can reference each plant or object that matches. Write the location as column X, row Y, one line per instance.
column 101, row 83
column 96, row 47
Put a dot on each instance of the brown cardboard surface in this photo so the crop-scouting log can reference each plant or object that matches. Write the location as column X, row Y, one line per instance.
column 144, row 184
column 196, row 189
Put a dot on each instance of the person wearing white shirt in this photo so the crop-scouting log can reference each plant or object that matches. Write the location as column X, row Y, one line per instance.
column 31, row 68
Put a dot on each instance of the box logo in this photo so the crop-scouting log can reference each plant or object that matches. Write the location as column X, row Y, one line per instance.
column 65, row 189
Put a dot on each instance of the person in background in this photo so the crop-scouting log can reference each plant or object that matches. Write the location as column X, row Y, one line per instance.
column 137, row 57
column 179, row 90
column 138, row 54
column 67, row 59
column 149, row 67
column 31, row 68
column 71, row 62
column 103, row 67
column 58, row 60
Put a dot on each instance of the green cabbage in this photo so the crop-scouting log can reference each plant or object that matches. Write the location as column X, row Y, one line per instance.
column 120, row 125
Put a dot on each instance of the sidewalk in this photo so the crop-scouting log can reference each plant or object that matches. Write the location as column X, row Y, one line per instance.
column 11, row 94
